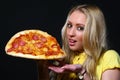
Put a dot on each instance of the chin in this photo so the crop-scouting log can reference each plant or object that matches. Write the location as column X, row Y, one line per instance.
column 73, row 49
column 76, row 49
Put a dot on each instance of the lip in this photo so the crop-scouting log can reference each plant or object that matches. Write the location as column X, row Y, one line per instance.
column 72, row 42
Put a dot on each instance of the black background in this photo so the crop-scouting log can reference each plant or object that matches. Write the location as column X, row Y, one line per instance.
column 49, row 16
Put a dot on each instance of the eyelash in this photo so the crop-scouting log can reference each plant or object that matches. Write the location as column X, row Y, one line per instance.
column 80, row 28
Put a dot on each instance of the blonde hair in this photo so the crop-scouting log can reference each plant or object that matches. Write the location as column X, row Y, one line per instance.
column 94, row 37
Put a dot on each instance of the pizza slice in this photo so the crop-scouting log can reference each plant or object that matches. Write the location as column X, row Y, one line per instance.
column 34, row 44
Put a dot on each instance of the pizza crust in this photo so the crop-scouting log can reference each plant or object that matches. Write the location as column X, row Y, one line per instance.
column 30, row 56
column 43, row 57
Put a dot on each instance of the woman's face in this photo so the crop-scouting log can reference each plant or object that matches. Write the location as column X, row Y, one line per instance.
column 75, row 28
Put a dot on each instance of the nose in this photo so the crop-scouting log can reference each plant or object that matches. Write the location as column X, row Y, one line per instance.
column 71, row 32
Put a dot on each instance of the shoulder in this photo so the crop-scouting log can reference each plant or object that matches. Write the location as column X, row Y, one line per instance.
column 110, row 59
column 110, row 54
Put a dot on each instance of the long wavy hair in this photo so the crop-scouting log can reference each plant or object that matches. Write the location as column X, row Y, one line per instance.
column 94, row 37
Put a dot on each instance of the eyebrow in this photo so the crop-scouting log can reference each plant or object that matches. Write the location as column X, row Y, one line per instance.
column 78, row 24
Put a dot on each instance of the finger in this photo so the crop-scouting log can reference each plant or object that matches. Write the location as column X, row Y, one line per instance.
column 56, row 69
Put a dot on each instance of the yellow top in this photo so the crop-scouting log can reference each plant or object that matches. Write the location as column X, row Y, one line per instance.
column 110, row 59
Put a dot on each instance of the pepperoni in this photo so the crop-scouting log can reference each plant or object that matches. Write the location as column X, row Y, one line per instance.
column 15, row 45
column 22, row 43
column 35, row 37
column 39, row 44
column 43, row 39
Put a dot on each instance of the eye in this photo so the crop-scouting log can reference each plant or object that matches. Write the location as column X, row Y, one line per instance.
column 80, row 28
column 69, row 25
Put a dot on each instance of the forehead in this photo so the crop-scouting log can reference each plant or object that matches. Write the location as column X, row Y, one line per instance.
column 77, row 16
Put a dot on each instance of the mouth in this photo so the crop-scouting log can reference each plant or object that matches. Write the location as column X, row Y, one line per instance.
column 72, row 42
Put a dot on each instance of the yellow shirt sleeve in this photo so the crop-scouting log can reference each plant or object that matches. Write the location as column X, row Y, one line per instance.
column 109, row 60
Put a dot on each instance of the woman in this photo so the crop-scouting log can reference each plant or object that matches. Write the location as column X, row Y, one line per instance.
column 84, row 41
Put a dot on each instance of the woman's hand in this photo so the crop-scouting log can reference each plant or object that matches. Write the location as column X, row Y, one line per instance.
column 76, row 68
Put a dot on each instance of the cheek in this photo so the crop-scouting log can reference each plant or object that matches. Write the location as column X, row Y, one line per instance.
column 67, row 33
column 80, row 37
column 80, row 42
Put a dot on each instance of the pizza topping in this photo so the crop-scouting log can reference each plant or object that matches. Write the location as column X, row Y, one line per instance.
column 22, row 43
column 15, row 45
column 43, row 39
column 39, row 44
column 35, row 37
